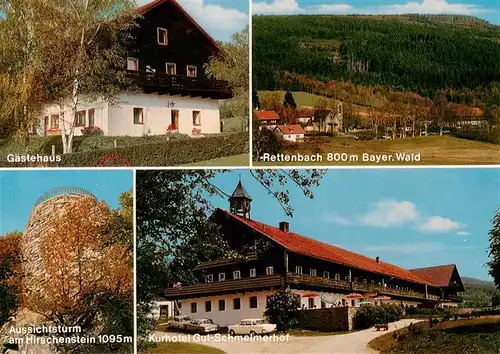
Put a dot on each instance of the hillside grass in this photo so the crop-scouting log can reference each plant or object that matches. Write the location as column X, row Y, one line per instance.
column 478, row 336
column 182, row 348
column 302, row 98
column 434, row 150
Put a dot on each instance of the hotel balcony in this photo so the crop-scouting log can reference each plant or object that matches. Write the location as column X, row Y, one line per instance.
column 181, row 85
column 454, row 298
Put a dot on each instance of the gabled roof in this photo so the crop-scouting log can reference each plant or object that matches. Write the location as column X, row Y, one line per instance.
column 291, row 129
column 309, row 247
column 305, row 112
column 267, row 115
column 240, row 192
column 144, row 9
column 439, row 275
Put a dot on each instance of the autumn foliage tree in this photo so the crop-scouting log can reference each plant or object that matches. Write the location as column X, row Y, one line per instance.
column 10, row 274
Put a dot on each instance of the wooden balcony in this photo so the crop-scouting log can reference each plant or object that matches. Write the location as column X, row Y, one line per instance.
column 181, row 85
column 227, row 286
column 454, row 298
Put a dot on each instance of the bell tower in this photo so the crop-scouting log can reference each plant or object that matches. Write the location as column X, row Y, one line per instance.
column 240, row 202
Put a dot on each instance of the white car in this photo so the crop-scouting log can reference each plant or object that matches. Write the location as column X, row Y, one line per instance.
column 201, row 325
column 252, row 326
column 179, row 322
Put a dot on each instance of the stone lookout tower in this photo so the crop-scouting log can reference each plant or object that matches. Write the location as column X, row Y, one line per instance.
column 45, row 209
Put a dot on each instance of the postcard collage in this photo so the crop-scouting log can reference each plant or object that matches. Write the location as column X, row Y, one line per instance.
column 250, row 176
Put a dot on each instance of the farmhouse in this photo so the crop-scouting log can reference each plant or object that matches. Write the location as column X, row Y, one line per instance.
column 293, row 133
column 167, row 64
column 326, row 120
column 324, row 275
column 267, row 119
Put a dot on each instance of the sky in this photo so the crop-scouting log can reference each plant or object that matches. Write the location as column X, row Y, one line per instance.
column 486, row 9
column 408, row 217
column 220, row 18
column 19, row 190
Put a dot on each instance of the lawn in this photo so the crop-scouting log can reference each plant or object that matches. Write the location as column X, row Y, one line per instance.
column 182, row 348
column 302, row 98
column 235, row 124
column 433, row 150
column 477, row 336
column 227, row 161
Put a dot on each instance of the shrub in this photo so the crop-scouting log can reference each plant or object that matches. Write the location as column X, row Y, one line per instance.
column 369, row 315
column 283, row 309
column 92, row 131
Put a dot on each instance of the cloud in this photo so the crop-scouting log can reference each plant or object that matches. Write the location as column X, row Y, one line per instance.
column 281, row 7
column 463, row 233
column 388, row 213
column 215, row 16
column 338, row 219
column 332, row 8
column 439, row 224
column 433, row 7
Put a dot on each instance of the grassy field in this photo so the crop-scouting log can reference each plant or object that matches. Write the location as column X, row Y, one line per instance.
column 433, row 150
column 236, row 160
column 302, row 98
column 477, row 336
column 236, row 124
column 183, row 348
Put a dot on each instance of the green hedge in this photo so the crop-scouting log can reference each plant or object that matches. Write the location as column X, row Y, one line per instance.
column 368, row 315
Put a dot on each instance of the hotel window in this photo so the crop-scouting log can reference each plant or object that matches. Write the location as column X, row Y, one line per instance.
column 208, row 306
column 222, row 276
column 91, row 117
column 253, row 302
column 298, row 269
column 171, row 69
column 192, row 71
column 133, row 64
column 138, row 115
column 326, row 274
column 80, row 118
column 253, row 272
column 312, row 272
column 237, row 304
column 236, row 274
column 269, row 270
column 54, row 121
column 162, row 36
column 194, row 307
column 209, row 278
column 310, row 303
column 150, row 70
column 337, row 276
column 365, row 281
column 196, row 118
column 222, row 305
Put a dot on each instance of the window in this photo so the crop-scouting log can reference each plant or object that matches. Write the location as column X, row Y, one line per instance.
column 171, row 69
column 372, row 282
column 237, row 304
column 196, row 118
column 162, row 36
column 192, row 71
column 174, row 118
column 91, row 117
column 54, row 121
column 337, row 276
column 138, row 116
column 312, row 272
column 356, row 279
column 347, row 278
column 194, row 307
column 208, row 306
column 326, row 274
column 209, row 278
column 80, row 118
column 222, row 305
column 310, row 303
column 150, row 70
column 222, row 276
column 298, row 269
column 253, row 272
column 133, row 64
column 236, row 274
column 268, row 297
column 353, row 303
column 365, row 281
column 253, row 302
column 269, row 271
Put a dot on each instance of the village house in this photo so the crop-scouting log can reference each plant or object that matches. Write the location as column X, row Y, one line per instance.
column 304, row 115
column 324, row 275
column 326, row 120
column 294, row 133
column 167, row 64
column 267, row 119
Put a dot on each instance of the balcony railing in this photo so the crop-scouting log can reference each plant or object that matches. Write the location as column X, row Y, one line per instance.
column 453, row 298
column 181, row 84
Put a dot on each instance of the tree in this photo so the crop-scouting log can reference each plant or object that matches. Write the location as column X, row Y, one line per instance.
column 289, row 101
column 494, row 249
column 271, row 101
column 233, row 65
column 265, row 141
column 255, row 99
column 10, row 274
column 283, row 309
column 495, row 300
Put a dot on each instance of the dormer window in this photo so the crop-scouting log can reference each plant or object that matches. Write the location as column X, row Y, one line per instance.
column 298, row 269
column 236, row 274
column 133, row 64
column 192, row 71
column 222, row 276
column 253, row 272
column 162, row 36
column 269, row 270
column 171, row 69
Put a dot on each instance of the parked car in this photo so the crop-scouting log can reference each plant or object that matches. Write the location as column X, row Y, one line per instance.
column 252, row 326
column 179, row 322
column 202, row 325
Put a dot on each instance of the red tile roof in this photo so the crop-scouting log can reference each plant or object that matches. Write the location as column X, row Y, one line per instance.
column 309, row 247
column 439, row 275
column 267, row 115
column 291, row 129
column 150, row 6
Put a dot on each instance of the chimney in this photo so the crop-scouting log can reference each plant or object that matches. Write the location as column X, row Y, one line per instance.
column 284, row 226
column 377, row 259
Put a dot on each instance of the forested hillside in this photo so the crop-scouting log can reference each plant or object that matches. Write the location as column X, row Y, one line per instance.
column 478, row 293
column 418, row 53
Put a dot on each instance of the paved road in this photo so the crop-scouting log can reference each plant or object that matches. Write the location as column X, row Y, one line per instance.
column 351, row 343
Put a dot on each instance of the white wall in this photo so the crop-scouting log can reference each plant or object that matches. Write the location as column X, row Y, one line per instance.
column 157, row 116
column 155, row 309
column 291, row 137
